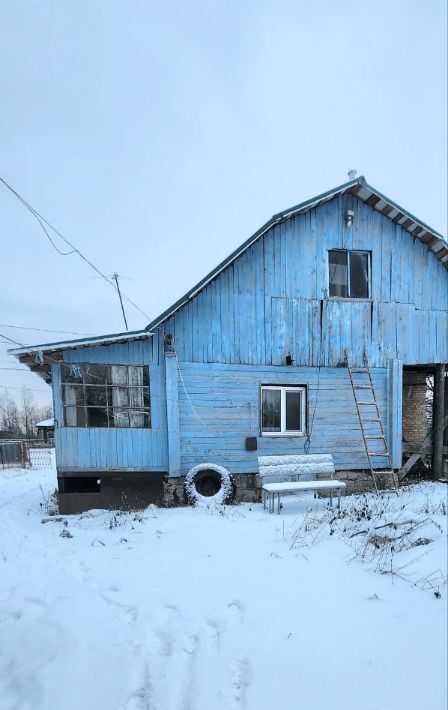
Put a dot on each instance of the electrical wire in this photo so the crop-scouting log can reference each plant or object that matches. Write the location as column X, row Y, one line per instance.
column 17, row 369
column 31, row 389
column 42, row 221
column 42, row 330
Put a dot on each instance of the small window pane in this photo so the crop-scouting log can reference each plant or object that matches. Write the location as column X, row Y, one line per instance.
column 293, row 411
column 271, row 410
column 359, row 275
column 119, row 375
column 95, row 374
column 120, row 396
column 136, row 376
column 72, row 373
column 70, row 416
column 73, row 394
column 136, row 396
column 96, row 416
column 137, row 418
column 95, row 395
column 120, row 418
column 338, row 273
column 74, row 416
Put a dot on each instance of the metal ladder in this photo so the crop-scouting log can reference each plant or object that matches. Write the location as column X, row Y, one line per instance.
column 369, row 419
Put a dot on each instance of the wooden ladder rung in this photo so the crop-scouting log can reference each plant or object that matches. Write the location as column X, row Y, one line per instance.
column 360, row 372
column 371, row 404
column 373, row 453
column 362, row 387
column 369, row 420
column 378, row 436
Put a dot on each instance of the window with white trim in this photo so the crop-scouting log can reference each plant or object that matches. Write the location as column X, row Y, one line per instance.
column 349, row 273
column 97, row 395
column 283, row 410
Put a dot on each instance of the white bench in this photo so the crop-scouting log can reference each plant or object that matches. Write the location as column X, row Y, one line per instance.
column 282, row 475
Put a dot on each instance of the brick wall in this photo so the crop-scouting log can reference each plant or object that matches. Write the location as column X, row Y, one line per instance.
column 414, row 397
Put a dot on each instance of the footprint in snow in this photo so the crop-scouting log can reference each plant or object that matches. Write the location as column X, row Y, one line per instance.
column 236, row 610
column 241, row 677
column 141, row 698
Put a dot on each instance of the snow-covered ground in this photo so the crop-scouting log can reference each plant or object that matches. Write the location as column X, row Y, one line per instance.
column 197, row 609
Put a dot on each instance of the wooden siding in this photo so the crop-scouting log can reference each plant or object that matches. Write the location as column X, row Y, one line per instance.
column 234, row 335
column 114, row 449
column 223, row 408
column 273, row 300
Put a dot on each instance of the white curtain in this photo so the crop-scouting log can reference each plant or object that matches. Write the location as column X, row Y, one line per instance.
column 137, row 418
column 70, row 406
column 124, row 396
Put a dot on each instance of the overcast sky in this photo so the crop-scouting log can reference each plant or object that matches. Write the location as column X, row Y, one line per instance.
column 159, row 136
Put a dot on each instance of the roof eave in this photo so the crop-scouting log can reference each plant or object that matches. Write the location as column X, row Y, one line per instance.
column 81, row 342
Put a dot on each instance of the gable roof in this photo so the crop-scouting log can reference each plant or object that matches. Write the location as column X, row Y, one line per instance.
column 358, row 187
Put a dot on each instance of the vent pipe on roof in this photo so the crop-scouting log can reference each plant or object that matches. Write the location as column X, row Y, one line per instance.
column 352, row 174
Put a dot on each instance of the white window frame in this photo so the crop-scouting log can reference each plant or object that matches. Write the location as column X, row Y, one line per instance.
column 283, row 390
column 369, row 273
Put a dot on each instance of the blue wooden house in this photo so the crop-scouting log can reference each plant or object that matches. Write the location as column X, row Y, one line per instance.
column 253, row 359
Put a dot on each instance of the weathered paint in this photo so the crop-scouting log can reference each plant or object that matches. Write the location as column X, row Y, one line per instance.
column 273, row 300
column 223, row 408
column 235, row 333
column 79, row 449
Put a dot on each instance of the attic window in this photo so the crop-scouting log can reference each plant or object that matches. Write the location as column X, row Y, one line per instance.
column 349, row 273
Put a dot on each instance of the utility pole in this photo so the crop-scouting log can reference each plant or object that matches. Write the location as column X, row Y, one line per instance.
column 115, row 278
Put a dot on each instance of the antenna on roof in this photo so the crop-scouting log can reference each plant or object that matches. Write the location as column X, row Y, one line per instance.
column 352, row 174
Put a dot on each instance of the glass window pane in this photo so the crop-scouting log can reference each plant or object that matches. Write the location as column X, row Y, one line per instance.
column 137, row 418
column 73, row 394
column 293, row 411
column 119, row 417
column 95, row 374
column 136, row 375
column 70, row 416
column 119, row 375
column 71, row 373
column 74, row 416
column 271, row 410
column 95, row 395
column 120, row 396
column 337, row 265
column 96, row 416
column 359, row 275
column 136, row 396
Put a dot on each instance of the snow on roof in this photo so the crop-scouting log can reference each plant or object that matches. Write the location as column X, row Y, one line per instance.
column 81, row 342
column 46, row 423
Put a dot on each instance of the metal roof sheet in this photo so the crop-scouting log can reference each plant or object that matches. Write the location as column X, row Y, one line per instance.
column 81, row 342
